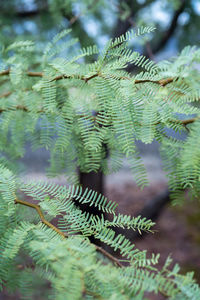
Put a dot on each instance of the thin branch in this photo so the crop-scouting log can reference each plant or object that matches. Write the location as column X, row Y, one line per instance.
column 162, row 82
column 109, row 256
column 28, row 73
column 35, row 74
column 4, row 95
column 25, row 109
column 42, row 218
column 188, row 121
column 44, row 221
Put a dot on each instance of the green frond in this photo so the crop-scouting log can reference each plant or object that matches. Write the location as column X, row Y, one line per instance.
column 132, row 34
column 20, row 45
column 84, row 271
column 124, row 221
column 89, row 115
column 50, row 48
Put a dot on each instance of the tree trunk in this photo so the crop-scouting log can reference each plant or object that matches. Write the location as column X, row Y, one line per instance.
column 93, row 181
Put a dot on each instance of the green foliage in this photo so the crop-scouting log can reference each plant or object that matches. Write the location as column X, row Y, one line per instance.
column 72, row 265
column 82, row 112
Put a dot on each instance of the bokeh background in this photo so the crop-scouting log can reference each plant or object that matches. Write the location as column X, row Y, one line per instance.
column 95, row 22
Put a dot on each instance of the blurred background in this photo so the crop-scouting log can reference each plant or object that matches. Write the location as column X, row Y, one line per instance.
column 95, row 22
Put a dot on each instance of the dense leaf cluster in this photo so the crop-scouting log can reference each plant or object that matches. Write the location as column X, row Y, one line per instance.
column 83, row 112
column 75, row 267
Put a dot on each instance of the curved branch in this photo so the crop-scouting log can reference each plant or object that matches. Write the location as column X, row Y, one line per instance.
column 42, row 218
column 47, row 223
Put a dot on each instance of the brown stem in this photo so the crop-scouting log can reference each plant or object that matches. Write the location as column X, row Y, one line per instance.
column 42, row 218
column 4, row 95
column 109, row 256
column 188, row 121
column 35, row 74
column 99, row 249
column 162, row 82
column 24, row 108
